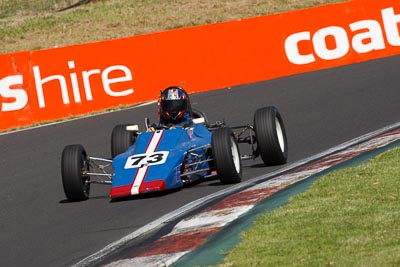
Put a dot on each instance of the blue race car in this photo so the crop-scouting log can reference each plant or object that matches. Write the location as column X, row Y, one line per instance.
column 170, row 157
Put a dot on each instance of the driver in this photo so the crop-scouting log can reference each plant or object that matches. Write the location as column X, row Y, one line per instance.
column 174, row 107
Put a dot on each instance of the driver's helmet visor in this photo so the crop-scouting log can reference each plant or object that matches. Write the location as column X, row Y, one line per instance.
column 174, row 109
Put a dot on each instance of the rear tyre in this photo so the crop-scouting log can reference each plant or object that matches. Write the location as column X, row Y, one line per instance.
column 271, row 136
column 121, row 139
column 226, row 156
column 200, row 114
column 74, row 169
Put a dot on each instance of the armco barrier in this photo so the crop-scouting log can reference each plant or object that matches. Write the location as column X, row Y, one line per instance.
column 45, row 85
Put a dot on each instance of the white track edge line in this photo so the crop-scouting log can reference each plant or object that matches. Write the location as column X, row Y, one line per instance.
column 80, row 117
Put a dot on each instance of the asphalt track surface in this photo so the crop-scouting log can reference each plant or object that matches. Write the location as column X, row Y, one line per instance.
column 40, row 228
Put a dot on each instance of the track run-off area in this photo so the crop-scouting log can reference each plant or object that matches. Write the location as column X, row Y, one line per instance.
column 39, row 227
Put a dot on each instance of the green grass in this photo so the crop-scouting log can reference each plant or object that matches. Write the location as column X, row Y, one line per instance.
column 35, row 25
column 350, row 217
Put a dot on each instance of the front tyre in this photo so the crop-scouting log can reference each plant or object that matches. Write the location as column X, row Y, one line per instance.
column 121, row 139
column 226, row 156
column 271, row 136
column 74, row 169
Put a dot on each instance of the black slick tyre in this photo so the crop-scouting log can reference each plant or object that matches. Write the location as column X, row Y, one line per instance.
column 199, row 114
column 271, row 136
column 74, row 169
column 226, row 156
column 121, row 139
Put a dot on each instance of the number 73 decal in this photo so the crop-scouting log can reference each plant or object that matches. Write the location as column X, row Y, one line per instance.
column 142, row 160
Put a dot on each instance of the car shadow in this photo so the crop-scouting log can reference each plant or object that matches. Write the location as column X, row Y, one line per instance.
column 66, row 201
column 126, row 198
column 145, row 195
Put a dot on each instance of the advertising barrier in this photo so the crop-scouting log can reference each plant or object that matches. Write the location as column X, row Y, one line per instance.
column 46, row 85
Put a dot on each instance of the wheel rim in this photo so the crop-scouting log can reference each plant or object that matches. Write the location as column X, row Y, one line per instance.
column 279, row 133
column 235, row 154
column 85, row 177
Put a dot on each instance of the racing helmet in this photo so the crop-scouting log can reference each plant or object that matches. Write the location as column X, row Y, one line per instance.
column 173, row 105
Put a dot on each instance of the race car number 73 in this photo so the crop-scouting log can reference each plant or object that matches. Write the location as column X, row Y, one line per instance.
column 142, row 160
